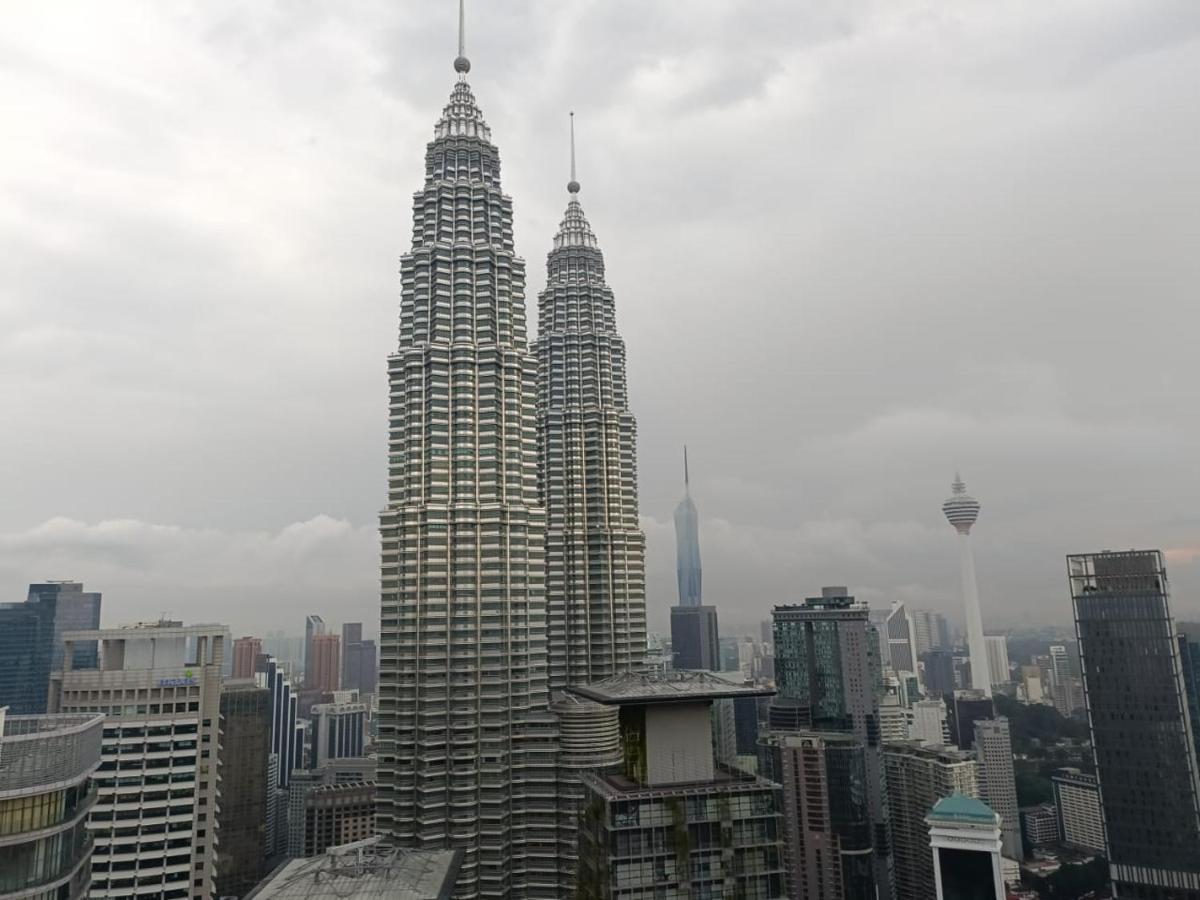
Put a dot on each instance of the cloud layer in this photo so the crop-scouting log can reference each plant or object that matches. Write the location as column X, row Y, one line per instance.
column 855, row 245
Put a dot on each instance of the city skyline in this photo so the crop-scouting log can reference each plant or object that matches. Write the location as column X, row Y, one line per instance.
column 290, row 282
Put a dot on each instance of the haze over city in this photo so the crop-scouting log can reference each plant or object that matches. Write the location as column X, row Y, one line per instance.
column 856, row 246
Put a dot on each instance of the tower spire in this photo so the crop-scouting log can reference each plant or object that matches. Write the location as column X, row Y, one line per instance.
column 462, row 65
column 687, row 482
column 573, row 184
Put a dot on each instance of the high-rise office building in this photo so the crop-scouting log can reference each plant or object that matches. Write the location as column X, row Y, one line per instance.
column 827, row 677
column 31, row 641
column 154, row 821
column 595, row 549
column 997, row 657
column 932, row 631
column 466, row 739
column 673, row 822
column 963, row 710
column 961, row 511
column 826, row 820
column 929, row 723
column 938, row 671
column 964, row 834
column 1141, row 739
column 314, row 626
column 902, row 639
column 324, row 672
column 328, row 814
column 695, row 643
column 1077, row 804
column 687, row 544
column 1060, row 665
column 998, row 780
column 360, row 661
column 246, row 651
column 338, row 732
column 245, row 752
column 1039, row 825
column 917, row 778
column 46, row 768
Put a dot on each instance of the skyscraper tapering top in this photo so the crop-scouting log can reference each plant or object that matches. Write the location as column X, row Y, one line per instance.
column 962, row 510
column 687, row 544
column 464, row 722
column 595, row 549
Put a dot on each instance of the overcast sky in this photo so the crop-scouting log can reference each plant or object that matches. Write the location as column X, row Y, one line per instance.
column 854, row 244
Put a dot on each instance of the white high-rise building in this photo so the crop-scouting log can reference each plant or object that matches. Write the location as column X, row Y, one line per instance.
column 997, row 780
column 961, row 511
column 997, row 656
column 928, row 723
column 467, row 748
column 154, row 821
column 965, row 836
column 931, row 630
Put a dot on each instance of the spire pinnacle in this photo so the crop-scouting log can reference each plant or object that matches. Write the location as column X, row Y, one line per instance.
column 462, row 65
column 687, row 482
column 573, row 184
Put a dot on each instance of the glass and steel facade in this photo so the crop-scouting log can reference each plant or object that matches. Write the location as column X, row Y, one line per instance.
column 46, row 792
column 1141, row 732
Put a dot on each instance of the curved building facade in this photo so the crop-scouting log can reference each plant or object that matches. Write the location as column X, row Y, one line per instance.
column 595, row 549
column 466, row 739
column 46, row 792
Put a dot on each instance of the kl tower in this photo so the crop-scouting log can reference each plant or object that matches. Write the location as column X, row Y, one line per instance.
column 962, row 510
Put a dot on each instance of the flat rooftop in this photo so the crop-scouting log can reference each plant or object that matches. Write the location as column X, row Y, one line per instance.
column 364, row 871
column 649, row 689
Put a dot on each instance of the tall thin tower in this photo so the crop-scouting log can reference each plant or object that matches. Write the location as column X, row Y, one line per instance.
column 465, row 730
column 595, row 549
column 687, row 544
column 961, row 511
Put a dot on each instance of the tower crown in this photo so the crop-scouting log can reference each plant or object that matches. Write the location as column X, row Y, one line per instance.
column 961, row 509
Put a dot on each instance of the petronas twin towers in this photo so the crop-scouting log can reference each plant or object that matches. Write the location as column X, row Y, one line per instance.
column 512, row 560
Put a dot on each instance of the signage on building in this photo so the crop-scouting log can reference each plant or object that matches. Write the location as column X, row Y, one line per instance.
column 188, row 680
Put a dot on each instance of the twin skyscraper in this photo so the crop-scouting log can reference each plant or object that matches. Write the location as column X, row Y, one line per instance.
column 512, row 557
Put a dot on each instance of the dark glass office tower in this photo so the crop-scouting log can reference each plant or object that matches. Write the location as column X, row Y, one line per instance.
column 244, row 754
column 74, row 610
column 695, row 643
column 826, row 674
column 1137, row 704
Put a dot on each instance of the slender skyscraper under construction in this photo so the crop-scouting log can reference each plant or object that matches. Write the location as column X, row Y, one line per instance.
column 595, row 549
column 687, row 544
column 961, row 511
column 467, row 744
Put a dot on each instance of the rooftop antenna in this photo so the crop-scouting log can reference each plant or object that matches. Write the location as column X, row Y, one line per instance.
column 462, row 65
column 573, row 184
column 686, row 480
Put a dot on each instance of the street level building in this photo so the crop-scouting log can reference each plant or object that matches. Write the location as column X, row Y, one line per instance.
column 672, row 821
column 1141, row 738
column 155, row 817
column 46, row 792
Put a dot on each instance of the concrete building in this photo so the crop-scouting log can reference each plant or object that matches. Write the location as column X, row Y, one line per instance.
column 155, row 816
column 931, row 630
column 338, row 732
column 327, row 813
column 46, row 793
column 595, row 548
column 467, row 739
column 928, row 723
column 673, row 821
column 1138, row 709
column 325, row 659
column 1077, row 805
column 917, row 778
column 1031, row 681
column 364, row 870
column 695, row 643
column 31, row 641
column 245, row 752
column 962, row 510
column 246, row 651
column 828, row 677
column 1039, row 825
column 964, row 834
column 997, row 657
column 998, row 782
column 827, row 824
column 893, row 720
